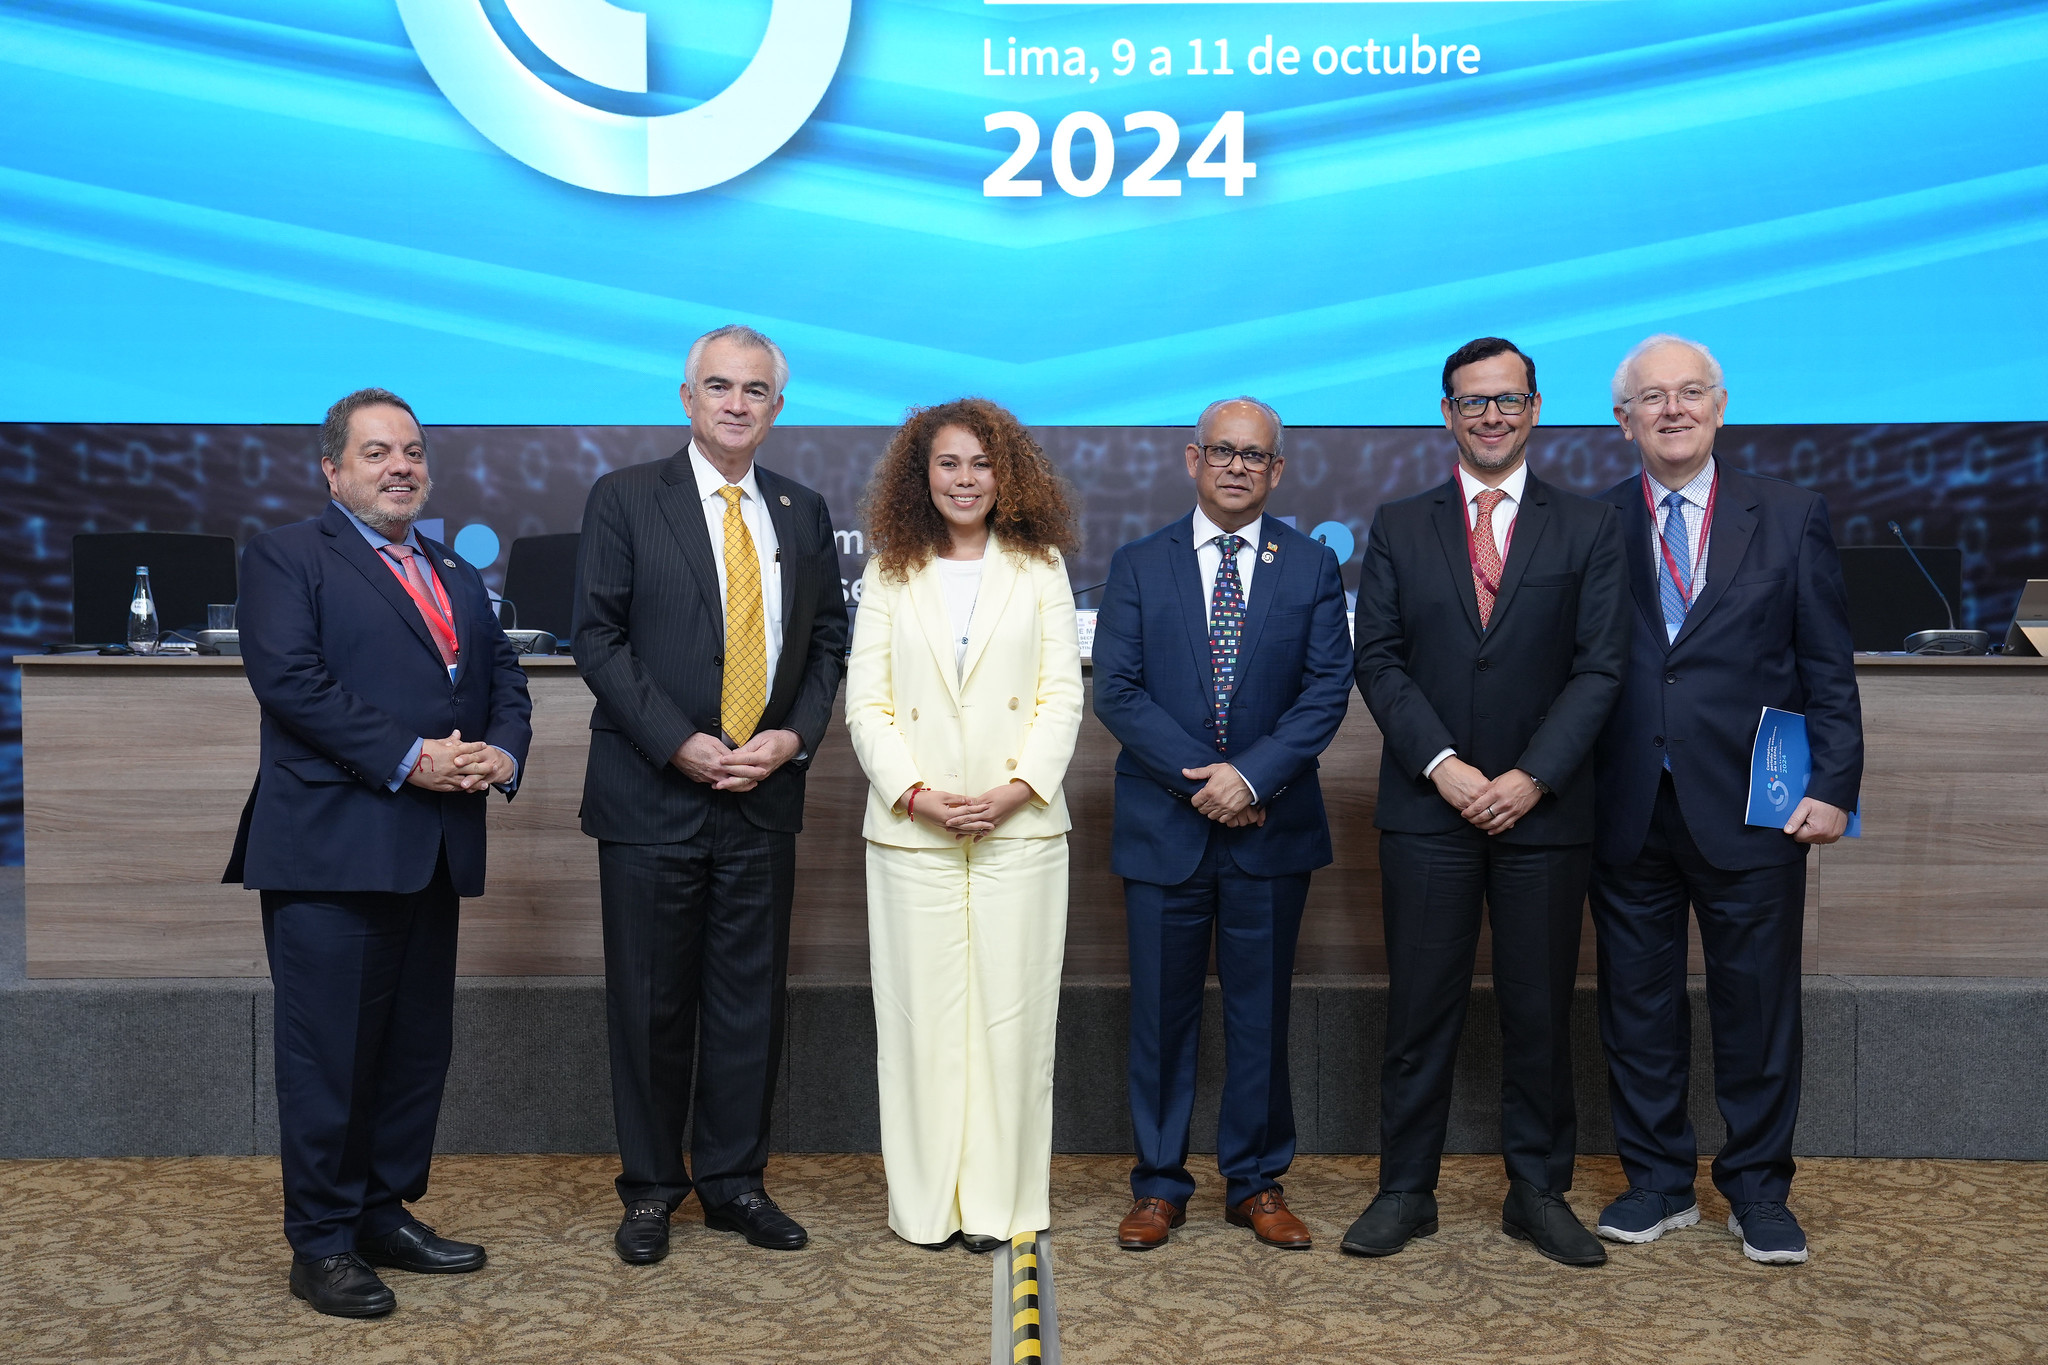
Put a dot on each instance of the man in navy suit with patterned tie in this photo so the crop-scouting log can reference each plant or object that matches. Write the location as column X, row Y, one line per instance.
column 391, row 703
column 1222, row 665
column 1738, row 605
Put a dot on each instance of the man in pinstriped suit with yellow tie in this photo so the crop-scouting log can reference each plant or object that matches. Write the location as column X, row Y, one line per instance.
column 711, row 627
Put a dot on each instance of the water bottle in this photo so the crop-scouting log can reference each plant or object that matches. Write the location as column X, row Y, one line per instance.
column 142, row 622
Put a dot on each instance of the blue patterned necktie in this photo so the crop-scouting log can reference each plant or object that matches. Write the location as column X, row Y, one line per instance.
column 1675, row 596
column 1226, row 631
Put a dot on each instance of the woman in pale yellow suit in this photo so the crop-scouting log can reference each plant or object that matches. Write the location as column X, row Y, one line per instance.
column 964, row 697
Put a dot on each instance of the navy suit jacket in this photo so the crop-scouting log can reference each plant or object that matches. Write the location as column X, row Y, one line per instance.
column 1770, row 628
column 1531, row 691
column 1154, row 690
column 348, row 677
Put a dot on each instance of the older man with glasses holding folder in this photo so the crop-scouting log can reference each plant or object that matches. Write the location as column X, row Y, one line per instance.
column 1738, row 606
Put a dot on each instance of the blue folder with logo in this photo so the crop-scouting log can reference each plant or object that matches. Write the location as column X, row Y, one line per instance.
column 1780, row 766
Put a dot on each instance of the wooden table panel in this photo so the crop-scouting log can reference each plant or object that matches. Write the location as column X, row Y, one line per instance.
column 136, row 771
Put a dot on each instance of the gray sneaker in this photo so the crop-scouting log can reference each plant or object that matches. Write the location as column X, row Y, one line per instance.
column 1644, row 1215
column 1770, row 1234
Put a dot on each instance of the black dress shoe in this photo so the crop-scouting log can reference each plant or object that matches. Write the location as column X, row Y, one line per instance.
column 1390, row 1220
column 1544, row 1219
column 342, row 1287
column 417, row 1248
column 642, row 1238
column 979, row 1245
column 754, row 1215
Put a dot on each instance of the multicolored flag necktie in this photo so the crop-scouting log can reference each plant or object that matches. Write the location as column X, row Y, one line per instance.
column 1226, row 631
column 744, row 694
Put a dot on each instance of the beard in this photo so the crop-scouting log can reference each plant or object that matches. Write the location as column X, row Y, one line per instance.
column 361, row 499
column 1501, row 459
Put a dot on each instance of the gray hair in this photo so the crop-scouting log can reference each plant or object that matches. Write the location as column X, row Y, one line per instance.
column 1202, row 422
column 334, row 430
column 744, row 336
column 1651, row 343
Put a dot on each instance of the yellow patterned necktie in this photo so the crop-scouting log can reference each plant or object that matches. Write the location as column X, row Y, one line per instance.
column 745, row 693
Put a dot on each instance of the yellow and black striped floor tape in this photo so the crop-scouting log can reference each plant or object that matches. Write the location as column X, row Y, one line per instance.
column 1024, row 1326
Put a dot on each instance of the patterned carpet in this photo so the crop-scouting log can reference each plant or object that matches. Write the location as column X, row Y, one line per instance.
column 181, row 1260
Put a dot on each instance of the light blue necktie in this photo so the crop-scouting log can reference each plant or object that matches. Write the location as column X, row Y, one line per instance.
column 1674, row 595
column 1676, row 552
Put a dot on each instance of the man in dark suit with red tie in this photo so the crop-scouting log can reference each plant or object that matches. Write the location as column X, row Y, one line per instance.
column 391, row 701
column 711, row 627
column 1738, row 605
column 1490, row 635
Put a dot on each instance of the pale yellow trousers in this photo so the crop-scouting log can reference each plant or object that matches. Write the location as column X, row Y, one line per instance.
column 965, row 947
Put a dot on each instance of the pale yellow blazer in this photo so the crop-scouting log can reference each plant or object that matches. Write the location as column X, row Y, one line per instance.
column 1014, row 713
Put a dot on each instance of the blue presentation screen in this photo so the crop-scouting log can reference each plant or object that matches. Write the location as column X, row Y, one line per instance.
column 520, row 211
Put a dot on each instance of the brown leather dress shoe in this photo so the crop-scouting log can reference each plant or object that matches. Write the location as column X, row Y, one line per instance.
column 1148, row 1224
column 1265, row 1213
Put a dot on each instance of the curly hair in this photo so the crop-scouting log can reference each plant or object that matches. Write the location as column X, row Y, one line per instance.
column 1034, row 506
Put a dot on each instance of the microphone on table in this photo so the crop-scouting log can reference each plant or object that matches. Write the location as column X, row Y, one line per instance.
column 1950, row 641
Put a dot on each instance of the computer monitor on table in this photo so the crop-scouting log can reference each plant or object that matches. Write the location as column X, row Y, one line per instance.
column 1889, row 598
column 2029, row 631
column 186, row 572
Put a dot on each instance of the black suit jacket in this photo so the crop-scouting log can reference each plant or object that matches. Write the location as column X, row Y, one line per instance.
column 348, row 678
column 1770, row 628
column 650, row 642
column 1530, row 692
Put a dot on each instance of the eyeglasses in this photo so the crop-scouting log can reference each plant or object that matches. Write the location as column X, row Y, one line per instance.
column 1255, row 460
column 1474, row 405
column 1693, row 398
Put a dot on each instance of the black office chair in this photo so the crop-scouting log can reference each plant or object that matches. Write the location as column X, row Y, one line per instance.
column 186, row 572
column 540, row 583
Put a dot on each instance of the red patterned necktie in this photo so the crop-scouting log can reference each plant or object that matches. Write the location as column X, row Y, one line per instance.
column 422, row 594
column 1486, row 555
column 1226, row 631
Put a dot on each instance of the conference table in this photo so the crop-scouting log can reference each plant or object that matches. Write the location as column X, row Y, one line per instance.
column 136, row 769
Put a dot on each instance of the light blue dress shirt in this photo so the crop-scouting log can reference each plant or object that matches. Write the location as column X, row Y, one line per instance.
column 378, row 540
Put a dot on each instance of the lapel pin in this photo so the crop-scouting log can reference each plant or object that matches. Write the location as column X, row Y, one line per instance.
column 449, row 562
column 785, row 499
column 1271, row 548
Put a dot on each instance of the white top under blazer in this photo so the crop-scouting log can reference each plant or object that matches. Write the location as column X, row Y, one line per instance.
column 1009, row 707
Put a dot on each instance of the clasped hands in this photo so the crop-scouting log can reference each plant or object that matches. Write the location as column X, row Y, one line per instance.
column 1225, row 796
column 1491, row 805
column 456, row 764
column 965, row 817
column 706, row 758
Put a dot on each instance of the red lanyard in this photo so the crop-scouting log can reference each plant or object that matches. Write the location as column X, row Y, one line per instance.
column 1685, row 584
column 1472, row 550
column 438, row 614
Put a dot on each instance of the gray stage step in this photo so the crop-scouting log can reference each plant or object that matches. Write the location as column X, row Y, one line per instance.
column 1895, row 1066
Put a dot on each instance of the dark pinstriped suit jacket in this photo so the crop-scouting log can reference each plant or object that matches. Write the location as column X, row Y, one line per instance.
column 650, row 642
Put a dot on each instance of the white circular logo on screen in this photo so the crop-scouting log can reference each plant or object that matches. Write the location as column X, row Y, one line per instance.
column 733, row 131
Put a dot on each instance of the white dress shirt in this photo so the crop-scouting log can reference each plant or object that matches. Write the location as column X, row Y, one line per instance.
column 961, row 579
column 1504, row 512
column 1503, row 524
column 1209, row 555
column 1694, row 508
column 761, row 528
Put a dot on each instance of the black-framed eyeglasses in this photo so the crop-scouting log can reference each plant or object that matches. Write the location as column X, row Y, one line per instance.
column 1474, row 405
column 1255, row 460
